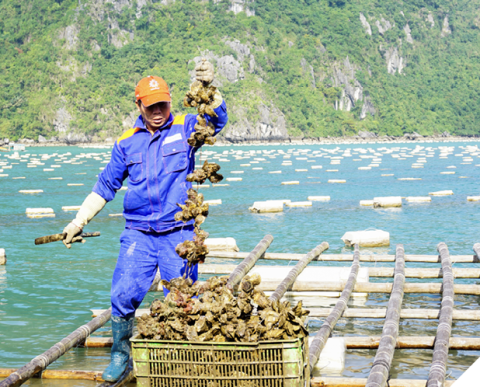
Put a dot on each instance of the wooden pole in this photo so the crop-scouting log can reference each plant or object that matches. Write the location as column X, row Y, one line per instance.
column 383, row 358
column 427, row 314
column 59, row 374
column 360, row 382
column 41, row 362
column 436, row 376
column 423, row 273
column 249, row 261
column 294, row 273
column 372, row 271
column 322, row 335
column 413, row 342
column 369, row 287
column 352, row 342
column 347, row 257
column 315, row 382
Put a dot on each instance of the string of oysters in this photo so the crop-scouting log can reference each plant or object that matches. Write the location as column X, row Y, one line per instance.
column 202, row 96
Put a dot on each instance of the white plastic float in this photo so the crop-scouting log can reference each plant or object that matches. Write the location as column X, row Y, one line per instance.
column 299, row 204
column 3, row 257
column 71, row 208
column 213, row 202
column 473, row 198
column 283, row 201
column 290, row 182
column 222, row 244
column 418, row 199
column 366, row 203
column 441, row 193
column 31, row 191
column 332, row 357
column 387, row 201
column 40, row 212
column 272, row 206
column 374, row 238
column 319, row 198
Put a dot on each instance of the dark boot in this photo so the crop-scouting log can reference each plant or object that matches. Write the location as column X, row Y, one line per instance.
column 122, row 329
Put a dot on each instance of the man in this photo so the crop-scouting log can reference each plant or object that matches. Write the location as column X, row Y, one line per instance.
column 156, row 159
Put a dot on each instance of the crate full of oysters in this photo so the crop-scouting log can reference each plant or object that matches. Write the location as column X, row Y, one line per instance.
column 205, row 334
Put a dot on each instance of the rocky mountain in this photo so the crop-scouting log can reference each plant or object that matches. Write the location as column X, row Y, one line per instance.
column 287, row 68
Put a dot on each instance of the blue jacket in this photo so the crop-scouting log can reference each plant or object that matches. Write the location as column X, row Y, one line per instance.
column 156, row 167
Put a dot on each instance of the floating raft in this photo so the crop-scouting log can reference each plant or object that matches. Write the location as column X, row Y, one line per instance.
column 309, row 282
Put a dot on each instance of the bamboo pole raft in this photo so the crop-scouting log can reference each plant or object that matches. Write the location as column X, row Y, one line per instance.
column 436, row 376
column 349, row 257
column 383, row 359
column 219, row 269
column 294, row 285
column 322, row 335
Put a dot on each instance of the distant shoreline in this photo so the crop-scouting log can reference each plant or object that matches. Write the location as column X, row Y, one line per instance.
column 307, row 141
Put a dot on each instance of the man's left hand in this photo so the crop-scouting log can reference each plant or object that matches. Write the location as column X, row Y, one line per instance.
column 204, row 71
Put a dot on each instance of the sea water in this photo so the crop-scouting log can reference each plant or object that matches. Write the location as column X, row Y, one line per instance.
column 47, row 291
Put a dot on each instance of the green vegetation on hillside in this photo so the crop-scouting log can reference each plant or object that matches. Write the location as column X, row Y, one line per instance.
column 438, row 90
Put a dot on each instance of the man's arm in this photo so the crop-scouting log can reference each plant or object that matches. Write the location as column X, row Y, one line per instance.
column 110, row 180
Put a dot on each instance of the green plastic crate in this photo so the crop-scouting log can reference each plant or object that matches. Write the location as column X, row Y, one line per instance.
column 282, row 363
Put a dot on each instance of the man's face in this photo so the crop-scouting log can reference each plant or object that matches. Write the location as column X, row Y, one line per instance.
column 155, row 115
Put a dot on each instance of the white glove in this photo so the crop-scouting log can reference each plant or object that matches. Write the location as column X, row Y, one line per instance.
column 217, row 99
column 72, row 231
column 92, row 205
column 204, row 71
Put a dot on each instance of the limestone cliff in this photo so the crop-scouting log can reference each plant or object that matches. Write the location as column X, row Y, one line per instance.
column 270, row 125
column 343, row 76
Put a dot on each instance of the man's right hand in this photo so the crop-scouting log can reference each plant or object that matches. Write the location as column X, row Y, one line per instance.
column 72, row 231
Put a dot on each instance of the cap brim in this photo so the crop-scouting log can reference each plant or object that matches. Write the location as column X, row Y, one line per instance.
column 155, row 98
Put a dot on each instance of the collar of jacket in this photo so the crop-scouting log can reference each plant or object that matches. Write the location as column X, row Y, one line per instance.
column 140, row 124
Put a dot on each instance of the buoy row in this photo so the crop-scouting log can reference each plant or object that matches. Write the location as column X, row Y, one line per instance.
column 277, row 205
column 396, row 201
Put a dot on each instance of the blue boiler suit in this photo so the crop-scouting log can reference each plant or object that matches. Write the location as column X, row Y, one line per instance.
column 156, row 167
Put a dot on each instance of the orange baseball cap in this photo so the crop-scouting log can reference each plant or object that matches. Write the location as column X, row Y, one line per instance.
column 151, row 90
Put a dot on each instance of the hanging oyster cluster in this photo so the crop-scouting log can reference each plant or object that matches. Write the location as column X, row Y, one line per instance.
column 208, row 171
column 217, row 315
column 201, row 96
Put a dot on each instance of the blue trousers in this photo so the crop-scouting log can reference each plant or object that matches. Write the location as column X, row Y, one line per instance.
column 141, row 253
